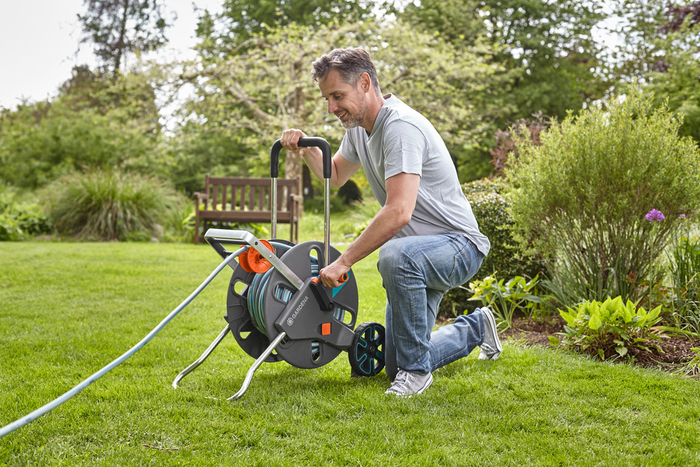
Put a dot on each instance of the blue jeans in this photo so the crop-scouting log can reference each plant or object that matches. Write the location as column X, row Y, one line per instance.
column 416, row 273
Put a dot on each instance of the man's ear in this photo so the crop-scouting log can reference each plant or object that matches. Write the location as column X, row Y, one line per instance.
column 365, row 82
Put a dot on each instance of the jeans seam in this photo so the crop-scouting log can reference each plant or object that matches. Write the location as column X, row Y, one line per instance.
column 454, row 265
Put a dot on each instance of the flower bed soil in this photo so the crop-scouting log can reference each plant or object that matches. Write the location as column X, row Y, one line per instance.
column 676, row 349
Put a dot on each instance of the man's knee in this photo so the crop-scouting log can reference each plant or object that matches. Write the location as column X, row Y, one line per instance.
column 390, row 258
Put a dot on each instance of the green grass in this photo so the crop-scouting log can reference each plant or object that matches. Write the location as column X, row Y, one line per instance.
column 68, row 309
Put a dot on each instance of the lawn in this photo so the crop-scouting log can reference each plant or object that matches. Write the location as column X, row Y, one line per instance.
column 68, row 309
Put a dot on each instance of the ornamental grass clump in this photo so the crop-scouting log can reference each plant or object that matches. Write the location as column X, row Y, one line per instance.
column 685, row 279
column 102, row 205
column 583, row 195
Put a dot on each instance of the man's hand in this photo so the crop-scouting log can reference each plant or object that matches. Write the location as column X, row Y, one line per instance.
column 334, row 271
column 290, row 139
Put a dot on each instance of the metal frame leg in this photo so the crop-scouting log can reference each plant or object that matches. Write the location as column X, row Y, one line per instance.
column 256, row 365
column 203, row 357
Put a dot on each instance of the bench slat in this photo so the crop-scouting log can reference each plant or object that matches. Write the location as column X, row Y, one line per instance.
column 243, row 216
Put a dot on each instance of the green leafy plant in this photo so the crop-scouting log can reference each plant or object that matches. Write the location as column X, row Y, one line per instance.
column 504, row 299
column 692, row 366
column 610, row 329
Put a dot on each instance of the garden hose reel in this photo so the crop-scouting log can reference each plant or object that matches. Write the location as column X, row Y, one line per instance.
column 277, row 308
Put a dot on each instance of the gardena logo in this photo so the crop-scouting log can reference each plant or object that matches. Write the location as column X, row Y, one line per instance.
column 290, row 320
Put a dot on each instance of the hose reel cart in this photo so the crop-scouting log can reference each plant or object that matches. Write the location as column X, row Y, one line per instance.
column 278, row 309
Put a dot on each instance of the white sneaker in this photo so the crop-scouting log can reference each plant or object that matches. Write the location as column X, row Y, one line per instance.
column 491, row 348
column 408, row 384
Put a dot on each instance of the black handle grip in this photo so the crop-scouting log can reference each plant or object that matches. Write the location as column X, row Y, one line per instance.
column 311, row 142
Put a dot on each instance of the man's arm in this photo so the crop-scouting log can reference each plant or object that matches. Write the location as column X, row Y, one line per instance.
column 341, row 169
column 401, row 195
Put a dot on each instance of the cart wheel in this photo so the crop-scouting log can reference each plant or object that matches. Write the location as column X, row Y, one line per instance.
column 366, row 354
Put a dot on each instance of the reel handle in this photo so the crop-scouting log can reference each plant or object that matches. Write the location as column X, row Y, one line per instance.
column 325, row 148
column 309, row 142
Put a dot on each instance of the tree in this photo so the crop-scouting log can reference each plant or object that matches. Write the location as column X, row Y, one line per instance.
column 254, row 95
column 241, row 20
column 638, row 22
column 551, row 58
column 550, row 61
column 661, row 50
column 675, row 79
column 119, row 27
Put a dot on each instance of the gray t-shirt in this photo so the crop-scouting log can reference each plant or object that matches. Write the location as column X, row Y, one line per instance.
column 403, row 140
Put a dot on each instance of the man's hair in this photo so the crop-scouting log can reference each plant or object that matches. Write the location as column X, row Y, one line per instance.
column 350, row 63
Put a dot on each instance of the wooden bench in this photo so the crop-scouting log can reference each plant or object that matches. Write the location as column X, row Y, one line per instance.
column 246, row 200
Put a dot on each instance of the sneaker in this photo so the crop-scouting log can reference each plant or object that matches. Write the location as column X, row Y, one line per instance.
column 491, row 348
column 408, row 384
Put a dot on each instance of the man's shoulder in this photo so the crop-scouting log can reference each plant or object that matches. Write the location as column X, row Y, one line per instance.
column 401, row 114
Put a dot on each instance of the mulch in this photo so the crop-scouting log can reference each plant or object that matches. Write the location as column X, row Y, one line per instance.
column 676, row 350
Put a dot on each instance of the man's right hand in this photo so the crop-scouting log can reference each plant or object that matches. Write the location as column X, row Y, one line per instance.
column 290, row 139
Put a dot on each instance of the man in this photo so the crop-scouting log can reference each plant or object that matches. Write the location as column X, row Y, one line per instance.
column 429, row 239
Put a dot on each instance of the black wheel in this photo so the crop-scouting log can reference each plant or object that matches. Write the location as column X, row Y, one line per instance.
column 366, row 354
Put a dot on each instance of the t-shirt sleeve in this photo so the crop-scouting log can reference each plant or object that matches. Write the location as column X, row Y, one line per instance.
column 404, row 148
column 348, row 150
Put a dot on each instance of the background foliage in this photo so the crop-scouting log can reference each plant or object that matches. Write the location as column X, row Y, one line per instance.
column 247, row 99
column 473, row 67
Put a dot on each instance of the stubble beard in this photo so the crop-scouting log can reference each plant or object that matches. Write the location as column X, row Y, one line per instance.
column 356, row 120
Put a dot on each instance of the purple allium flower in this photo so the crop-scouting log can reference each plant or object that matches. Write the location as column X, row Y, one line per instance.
column 655, row 216
column 682, row 216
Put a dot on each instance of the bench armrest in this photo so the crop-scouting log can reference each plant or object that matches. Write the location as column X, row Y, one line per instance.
column 201, row 195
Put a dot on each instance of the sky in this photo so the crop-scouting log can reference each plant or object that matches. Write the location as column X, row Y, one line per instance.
column 39, row 42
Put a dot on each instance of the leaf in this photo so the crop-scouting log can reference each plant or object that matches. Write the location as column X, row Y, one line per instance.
column 568, row 316
column 595, row 322
column 601, row 354
column 554, row 341
column 622, row 351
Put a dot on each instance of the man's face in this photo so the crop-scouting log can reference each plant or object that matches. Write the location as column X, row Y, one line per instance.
column 345, row 101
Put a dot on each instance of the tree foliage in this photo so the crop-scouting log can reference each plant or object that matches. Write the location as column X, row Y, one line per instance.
column 241, row 20
column 549, row 60
column 118, row 27
column 252, row 96
column 547, row 48
column 675, row 80
column 661, row 50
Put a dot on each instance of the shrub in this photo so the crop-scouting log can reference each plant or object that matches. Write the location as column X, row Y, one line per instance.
column 506, row 140
column 21, row 220
column 584, row 193
column 609, row 329
column 100, row 205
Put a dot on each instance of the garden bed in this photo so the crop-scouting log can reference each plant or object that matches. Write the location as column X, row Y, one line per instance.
column 676, row 349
